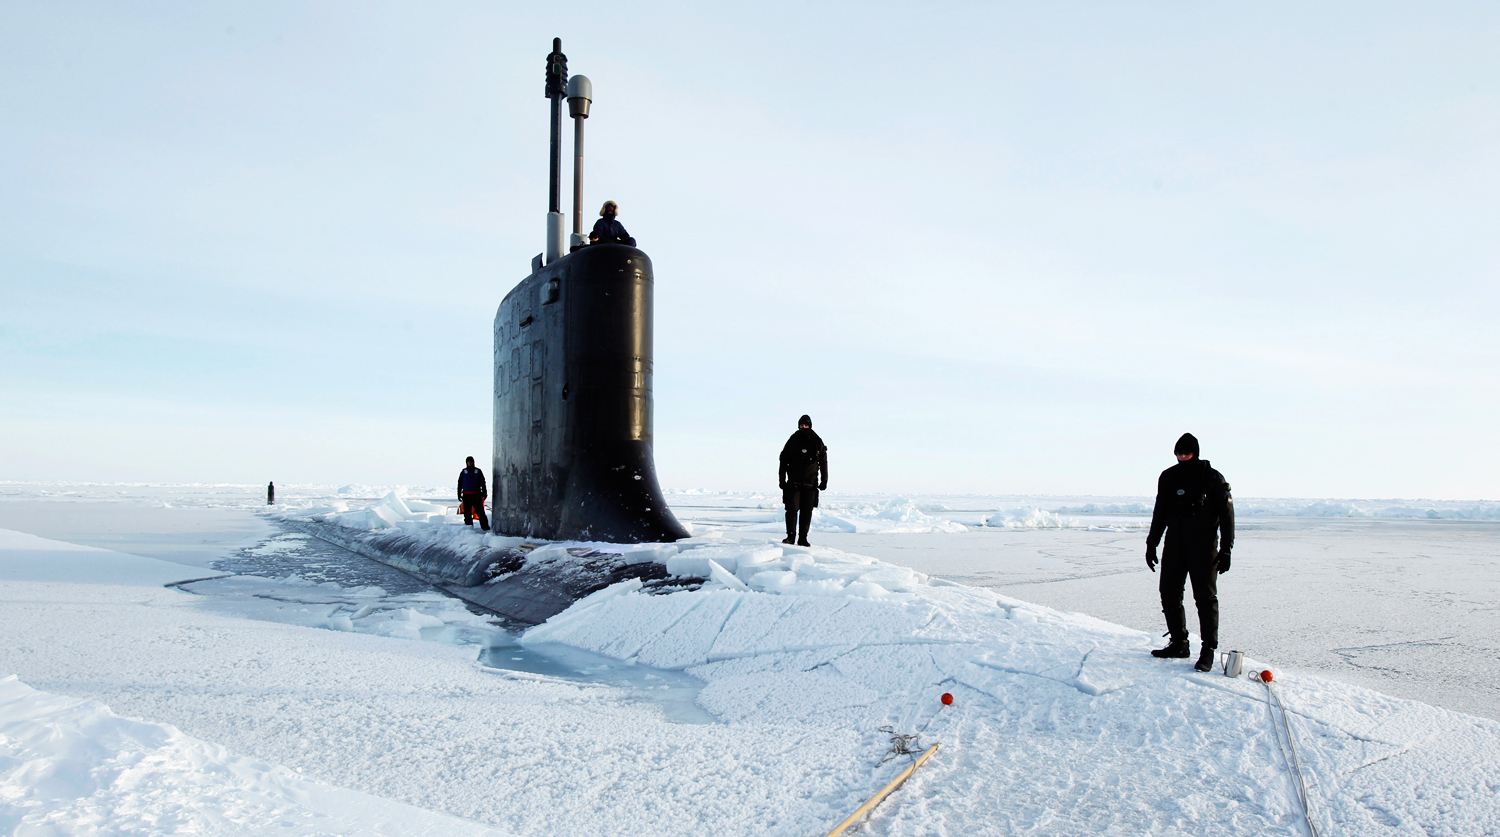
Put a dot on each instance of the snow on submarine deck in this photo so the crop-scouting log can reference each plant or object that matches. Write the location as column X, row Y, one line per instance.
column 524, row 580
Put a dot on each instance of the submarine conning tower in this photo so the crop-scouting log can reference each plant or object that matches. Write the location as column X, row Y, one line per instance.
column 573, row 357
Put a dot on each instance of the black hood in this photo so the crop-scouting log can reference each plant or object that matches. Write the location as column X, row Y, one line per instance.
column 1187, row 443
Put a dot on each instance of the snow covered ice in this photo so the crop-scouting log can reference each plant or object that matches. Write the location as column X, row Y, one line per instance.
column 72, row 766
column 299, row 702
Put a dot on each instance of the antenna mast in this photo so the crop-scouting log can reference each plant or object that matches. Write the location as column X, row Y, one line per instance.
column 557, row 88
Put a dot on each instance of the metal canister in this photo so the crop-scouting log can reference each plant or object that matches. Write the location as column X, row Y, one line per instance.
column 1234, row 661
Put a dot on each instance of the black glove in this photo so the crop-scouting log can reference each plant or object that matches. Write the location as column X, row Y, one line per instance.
column 783, row 485
column 1223, row 561
column 823, row 486
column 1151, row 557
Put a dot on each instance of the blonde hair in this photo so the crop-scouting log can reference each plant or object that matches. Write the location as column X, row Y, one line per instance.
column 607, row 205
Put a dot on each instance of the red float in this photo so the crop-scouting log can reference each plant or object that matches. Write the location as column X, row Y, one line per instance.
column 1265, row 676
column 947, row 699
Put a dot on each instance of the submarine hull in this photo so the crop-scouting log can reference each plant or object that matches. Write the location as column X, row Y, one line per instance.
column 572, row 413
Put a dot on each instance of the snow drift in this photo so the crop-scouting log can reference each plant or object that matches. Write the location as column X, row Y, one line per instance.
column 71, row 766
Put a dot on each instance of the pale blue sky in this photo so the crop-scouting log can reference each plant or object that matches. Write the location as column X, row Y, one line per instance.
column 991, row 248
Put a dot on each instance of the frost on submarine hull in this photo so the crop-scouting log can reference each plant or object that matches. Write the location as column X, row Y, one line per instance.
column 572, row 445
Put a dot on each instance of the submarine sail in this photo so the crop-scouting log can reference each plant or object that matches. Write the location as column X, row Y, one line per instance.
column 573, row 458
column 572, row 410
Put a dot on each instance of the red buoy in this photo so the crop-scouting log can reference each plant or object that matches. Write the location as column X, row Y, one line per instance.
column 1265, row 676
column 947, row 699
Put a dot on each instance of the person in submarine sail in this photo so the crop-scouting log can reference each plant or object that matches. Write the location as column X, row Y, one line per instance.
column 608, row 229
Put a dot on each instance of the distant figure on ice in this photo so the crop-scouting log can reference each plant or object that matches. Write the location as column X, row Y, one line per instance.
column 471, row 494
column 270, row 493
column 607, row 230
column 1192, row 506
column 803, row 459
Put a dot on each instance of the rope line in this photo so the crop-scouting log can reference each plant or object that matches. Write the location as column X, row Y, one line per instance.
column 1273, row 704
column 903, row 744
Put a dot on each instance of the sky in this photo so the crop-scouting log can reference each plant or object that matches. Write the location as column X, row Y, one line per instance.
column 991, row 248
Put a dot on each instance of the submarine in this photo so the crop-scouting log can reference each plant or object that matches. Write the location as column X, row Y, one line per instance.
column 573, row 364
column 572, row 426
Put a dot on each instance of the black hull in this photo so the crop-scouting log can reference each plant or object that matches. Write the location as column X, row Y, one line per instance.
column 572, row 420
column 497, row 579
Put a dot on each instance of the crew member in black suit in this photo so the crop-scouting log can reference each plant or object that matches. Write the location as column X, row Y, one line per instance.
column 1193, row 507
column 804, row 472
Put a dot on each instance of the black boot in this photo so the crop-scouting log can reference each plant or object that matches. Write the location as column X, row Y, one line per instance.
column 791, row 527
column 1205, row 659
column 804, row 523
column 1175, row 649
